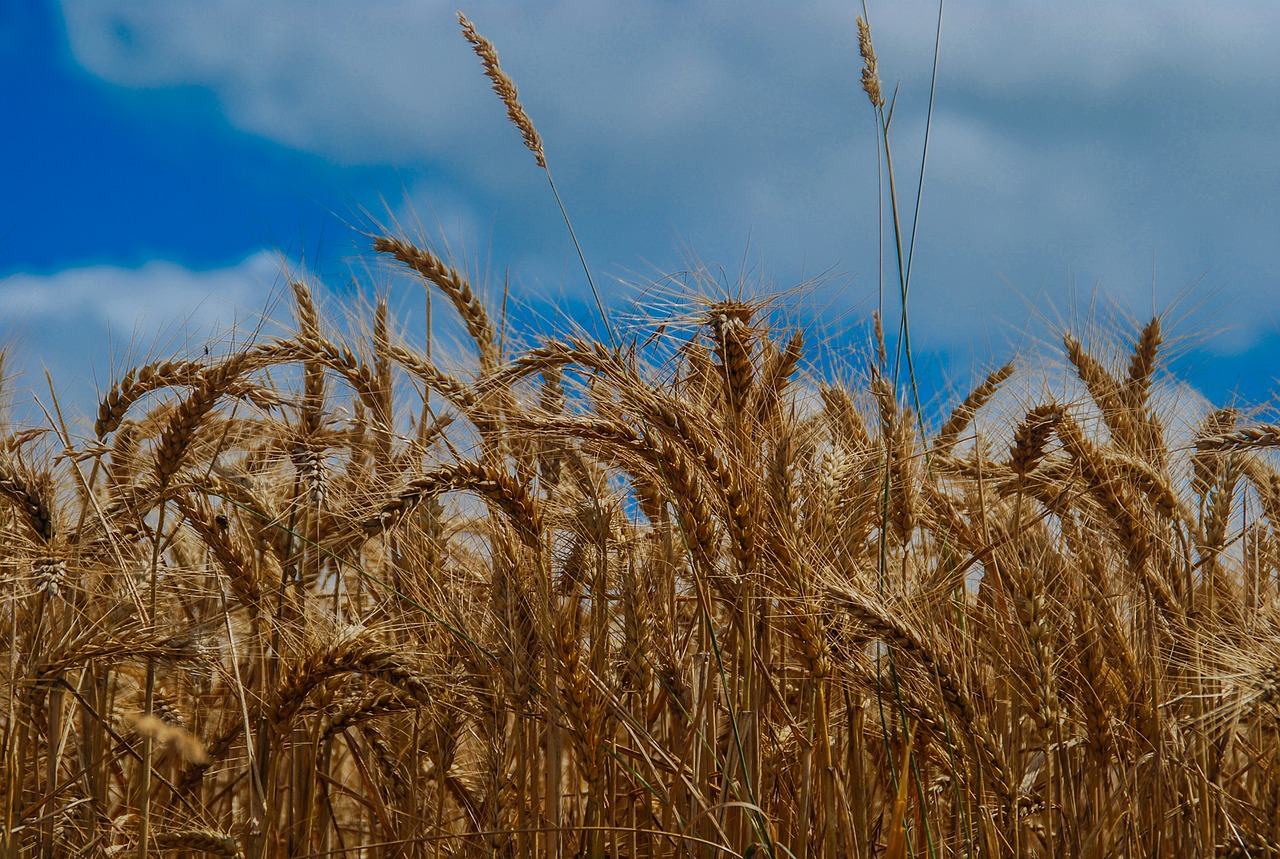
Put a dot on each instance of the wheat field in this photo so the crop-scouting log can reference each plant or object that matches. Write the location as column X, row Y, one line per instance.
column 328, row 594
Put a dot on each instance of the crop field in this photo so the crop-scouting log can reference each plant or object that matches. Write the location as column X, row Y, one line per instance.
column 675, row 591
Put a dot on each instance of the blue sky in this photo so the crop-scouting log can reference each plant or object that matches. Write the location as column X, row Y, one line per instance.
column 163, row 157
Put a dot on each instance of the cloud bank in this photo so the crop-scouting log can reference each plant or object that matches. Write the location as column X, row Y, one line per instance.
column 1081, row 144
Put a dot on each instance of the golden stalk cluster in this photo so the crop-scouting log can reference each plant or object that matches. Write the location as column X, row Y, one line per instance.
column 323, row 596
column 564, row 603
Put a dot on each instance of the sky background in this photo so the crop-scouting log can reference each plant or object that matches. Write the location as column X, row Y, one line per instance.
column 162, row 159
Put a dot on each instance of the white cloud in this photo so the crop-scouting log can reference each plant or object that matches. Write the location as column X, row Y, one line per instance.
column 82, row 321
column 395, row 82
column 145, row 299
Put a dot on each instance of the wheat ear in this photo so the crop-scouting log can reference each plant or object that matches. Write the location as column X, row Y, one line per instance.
column 964, row 413
column 200, row 840
column 1142, row 364
column 775, row 376
column 954, row 692
column 870, row 72
column 1263, row 435
column 495, row 486
column 24, row 494
column 505, row 88
column 455, row 287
